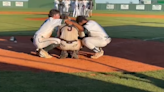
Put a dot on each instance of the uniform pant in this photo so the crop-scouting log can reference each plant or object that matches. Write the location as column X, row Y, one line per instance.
column 89, row 12
column 61, row 9
column 56, row 6
column 75, row 12
column 81, row 11
column 66, row 8
column 70, row 46
column 92, row 42
column 85, row 11
column 41, row 42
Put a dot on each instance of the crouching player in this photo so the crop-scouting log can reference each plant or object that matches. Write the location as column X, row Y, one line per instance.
column 42, row 38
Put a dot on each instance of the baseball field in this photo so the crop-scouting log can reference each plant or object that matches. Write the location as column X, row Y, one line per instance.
column 133, row 61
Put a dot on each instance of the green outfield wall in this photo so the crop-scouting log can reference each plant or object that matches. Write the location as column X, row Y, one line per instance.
column 30, row 3
column 41, row 3
column 130, row 7
column 27, row 3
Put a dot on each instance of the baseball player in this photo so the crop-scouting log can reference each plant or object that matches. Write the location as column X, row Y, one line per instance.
column 67, row 5
column 90, row 8
column 42, row 39
column 61, row 7
column 81, row 12
column 97, row 37
column 75, row 8
column 85, row 8
column 56, row 2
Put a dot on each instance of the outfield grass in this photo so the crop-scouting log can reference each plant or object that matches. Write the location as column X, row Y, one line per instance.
column 81, row 82
column 116, row 27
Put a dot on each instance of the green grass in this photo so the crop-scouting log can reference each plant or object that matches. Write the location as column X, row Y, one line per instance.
column 133, row 28
column 116, row 27
column 17, row 25
column 81, row 82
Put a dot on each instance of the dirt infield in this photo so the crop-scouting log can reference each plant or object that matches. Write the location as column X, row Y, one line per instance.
column 113, row 15
column 120, row 55
column 109, row 15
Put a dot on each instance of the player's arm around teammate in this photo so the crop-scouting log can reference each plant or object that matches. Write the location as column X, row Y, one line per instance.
column 97, row 37
column 42, row 38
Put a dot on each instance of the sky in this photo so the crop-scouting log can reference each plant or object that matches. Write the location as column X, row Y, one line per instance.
column 117, row 1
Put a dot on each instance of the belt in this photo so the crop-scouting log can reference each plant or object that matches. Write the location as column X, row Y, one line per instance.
column 69, row 42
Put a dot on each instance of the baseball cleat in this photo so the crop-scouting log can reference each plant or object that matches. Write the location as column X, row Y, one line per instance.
column 44, row 54
column 98, row 54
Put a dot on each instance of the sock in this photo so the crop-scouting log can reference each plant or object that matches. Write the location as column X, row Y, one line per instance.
column 96, row 49
column 50, row 47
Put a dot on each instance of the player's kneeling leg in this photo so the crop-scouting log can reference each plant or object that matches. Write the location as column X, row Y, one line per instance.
column 95, row 44
column 44, row 52
column 64, row 54
column 50, row 47
column 75, row 54
column 74, row 47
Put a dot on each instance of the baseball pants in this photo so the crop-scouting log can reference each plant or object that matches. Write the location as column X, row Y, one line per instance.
column 70, row 46
column 92, row 42
column 85, row 11
column 81, row 12
column 89, row 12
column 41, row 42
column 75, row 12
column 56, row 6
column 66, row 8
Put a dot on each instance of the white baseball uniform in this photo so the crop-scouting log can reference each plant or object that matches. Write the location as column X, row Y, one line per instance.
column 56, row 4
column 75, row 8
column 67, row 5
column 97, row 36
column 42, row 36
column 81, row 12
column 85, row 8
column 90, row 8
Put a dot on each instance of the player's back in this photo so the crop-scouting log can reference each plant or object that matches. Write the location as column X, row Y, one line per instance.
column 48, row 26
column 95, row 29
